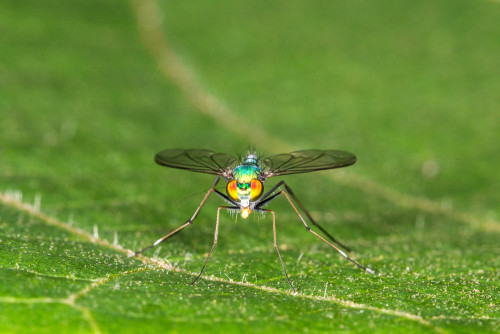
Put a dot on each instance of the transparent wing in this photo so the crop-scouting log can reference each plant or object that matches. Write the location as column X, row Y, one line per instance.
column 305, row 161
column 198, row 160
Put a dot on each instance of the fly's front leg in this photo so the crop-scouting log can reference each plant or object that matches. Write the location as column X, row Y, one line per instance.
column 277, row 249
column 215, row 241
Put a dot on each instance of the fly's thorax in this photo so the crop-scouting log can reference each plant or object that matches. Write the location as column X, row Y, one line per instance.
column 246, row 173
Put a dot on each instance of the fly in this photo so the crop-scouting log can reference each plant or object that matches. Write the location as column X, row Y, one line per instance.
column 245, row 187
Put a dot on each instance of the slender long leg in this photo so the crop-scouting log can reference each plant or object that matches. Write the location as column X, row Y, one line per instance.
column 289, row 190
column 320, row 237
column 277, row 249
column 188, row 222
column 267, row 198
column 213, row 245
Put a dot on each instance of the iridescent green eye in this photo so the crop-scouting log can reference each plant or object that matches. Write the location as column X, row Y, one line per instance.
column 257, row 189
column 232, row 190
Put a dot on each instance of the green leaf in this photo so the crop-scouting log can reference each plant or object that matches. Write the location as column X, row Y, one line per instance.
column 91, row 90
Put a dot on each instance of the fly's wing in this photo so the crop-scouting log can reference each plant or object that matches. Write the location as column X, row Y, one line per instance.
column 198, row 160
column 305, row 161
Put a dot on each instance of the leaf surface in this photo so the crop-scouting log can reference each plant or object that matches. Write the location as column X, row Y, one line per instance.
column 90, row 91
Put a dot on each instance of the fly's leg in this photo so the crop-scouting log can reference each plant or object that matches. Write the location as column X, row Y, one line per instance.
column 213, row 245
column 299, row 203
column 282, row 192
column 188, row 222
column 277, row 249
column 268, row 197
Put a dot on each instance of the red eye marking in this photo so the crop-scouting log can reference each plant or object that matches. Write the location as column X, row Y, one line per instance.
column 232, row 190
column 257, row 189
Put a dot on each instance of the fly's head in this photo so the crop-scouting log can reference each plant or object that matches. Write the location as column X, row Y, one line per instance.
column 245, row 187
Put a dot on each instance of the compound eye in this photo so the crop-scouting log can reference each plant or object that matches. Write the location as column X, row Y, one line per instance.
column 256, row 189
column 232, row 190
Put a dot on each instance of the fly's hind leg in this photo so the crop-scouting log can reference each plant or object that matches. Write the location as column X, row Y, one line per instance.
column 269, row 196
column 322, row 238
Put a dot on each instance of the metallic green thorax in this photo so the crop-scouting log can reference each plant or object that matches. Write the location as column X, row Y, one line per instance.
column 244, row 174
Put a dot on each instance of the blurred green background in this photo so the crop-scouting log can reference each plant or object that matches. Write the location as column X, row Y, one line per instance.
column 91, row 90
